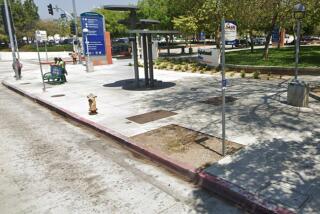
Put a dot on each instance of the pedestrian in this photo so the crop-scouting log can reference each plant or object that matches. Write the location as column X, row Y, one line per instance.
column 74, row 56
column 17, row 67
column 56, row 61
column 62, row 64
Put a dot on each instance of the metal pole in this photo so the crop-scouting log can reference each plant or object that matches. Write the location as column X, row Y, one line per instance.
column 44, row 85
column 223, row 86
column 135, row 60
column 145, row 58
column 150, row 59
column 88, row 54
column 76, row 26
column 45, row 46
column 297, row 50
column 17, row 48
column 13, row 32
column 11, row 38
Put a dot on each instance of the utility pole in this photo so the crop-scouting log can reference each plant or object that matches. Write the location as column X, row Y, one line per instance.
column 8, row 18
column 15, row 37
column 223, row 85
column 76, row 28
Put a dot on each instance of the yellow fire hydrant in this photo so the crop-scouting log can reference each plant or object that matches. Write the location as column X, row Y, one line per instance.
column 92, row 104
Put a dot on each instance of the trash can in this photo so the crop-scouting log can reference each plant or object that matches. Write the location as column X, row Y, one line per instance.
column 298, row 93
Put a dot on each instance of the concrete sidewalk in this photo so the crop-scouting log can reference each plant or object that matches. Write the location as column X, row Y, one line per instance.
column 281, row 163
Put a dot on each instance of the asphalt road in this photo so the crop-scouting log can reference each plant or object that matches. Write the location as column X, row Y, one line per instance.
column 51, row 165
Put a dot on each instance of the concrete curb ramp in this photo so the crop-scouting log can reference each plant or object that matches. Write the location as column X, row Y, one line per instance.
column 250, row 202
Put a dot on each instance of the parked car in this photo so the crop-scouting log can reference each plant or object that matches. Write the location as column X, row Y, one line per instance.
column 288, row 39
column 259, row 41
column 242, row 43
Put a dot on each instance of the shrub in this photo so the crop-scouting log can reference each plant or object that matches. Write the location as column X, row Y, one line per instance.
column 194, row 69
column 186, row 67
column 130, row 64
column 243, row 74
column 177, row 68
column 163, row 65
column 158, row 62
column 231, row 74
column 269, row 75
column 256, row 75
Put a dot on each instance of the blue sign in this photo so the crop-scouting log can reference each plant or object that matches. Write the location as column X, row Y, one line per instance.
column 276, row 35
column 202, row 36
column 95, row 36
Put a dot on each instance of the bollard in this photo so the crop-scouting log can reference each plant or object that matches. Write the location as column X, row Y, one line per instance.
column 92, row 104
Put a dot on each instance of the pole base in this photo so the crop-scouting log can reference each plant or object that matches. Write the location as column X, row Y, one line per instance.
column 298, row 93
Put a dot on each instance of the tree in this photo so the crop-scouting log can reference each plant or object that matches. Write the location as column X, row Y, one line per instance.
column 112, row 25
column 25, row 16
column 31, row 17
column 187, row 25
column 51, row 26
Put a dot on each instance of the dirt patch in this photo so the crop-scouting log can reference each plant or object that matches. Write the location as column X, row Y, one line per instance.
column 185, row 145
column 316, row 91
column 151, row 116
column 217, row 101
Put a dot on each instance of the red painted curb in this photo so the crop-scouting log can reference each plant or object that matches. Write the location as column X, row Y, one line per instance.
column 219, row 186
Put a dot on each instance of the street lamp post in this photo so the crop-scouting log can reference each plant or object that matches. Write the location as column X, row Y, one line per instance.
column 299, row 11
column 85, row 32
column 298, row 91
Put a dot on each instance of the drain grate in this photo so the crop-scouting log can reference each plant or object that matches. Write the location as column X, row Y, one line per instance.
column 58, row 95
column 217, row 101
column 151, row 116
column 25, row 83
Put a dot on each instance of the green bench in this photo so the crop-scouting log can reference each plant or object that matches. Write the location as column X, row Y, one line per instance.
column 55, row 76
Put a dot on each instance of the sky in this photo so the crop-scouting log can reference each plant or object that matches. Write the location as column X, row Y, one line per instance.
column 82, row 5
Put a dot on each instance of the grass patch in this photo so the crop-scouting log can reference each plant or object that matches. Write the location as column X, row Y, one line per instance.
column 284, row 57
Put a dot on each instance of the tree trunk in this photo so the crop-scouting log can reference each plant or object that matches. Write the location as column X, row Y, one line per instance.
column 251, row 42
column 247, row 43
column 218, row 37
column 268, row 38
column 266, row 46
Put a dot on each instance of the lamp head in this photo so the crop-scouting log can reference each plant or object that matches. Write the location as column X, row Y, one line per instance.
column 299, row 11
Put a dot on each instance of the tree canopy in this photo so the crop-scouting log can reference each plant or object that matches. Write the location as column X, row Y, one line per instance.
column 25, row 16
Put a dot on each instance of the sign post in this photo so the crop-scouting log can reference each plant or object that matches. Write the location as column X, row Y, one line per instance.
column 40, row 36
column 224, row 26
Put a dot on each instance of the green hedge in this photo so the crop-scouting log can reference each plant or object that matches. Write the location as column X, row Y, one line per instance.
column 33, row 48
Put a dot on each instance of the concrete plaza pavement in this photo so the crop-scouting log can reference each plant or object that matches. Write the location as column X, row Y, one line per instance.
column 280, row 162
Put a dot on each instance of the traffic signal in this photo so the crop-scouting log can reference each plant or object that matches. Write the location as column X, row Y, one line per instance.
column 50, row 9
column 73, row 28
